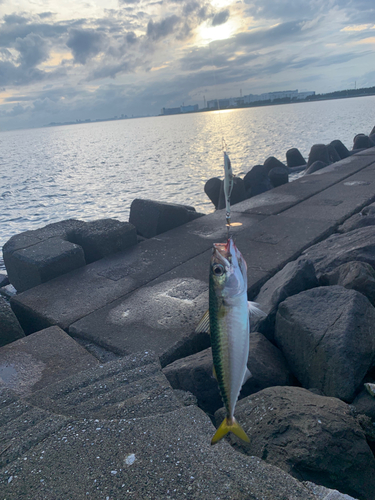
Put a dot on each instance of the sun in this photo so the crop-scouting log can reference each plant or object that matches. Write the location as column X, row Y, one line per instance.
column 208, row 33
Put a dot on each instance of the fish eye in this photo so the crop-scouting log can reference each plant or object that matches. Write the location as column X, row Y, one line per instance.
column 218, row 269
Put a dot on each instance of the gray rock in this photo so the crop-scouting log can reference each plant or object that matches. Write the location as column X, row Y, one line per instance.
column 294, row 158
column 365, row 404
column 294, row 278
column 43, row 358
column 154, row 217
column 273, row 162
column 338, row 249
column 256, row 181
column 195, row 373
column 366, row 217
column 327, row 335
column 313, row 438
column 4, row 280
column 323, row 493
column 212, row 189
column 358, row 276
column 10, row 329
column 103, row 237
column 362, row 141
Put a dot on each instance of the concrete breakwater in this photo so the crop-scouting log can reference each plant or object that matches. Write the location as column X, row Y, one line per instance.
column 86, row 412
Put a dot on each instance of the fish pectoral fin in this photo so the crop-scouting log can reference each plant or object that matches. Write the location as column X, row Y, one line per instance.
column 214, row 373
column 204, row 324
column 229, row 425
column 247, row 375
column 254, row 310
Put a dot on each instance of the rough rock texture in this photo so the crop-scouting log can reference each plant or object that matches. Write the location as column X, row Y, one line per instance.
column 365, row 404
column 366, row 217
column 195, row 373
column 153, row 217
column 358, row 276
column 103, row 237
column 341, row 248
column 327, row 335
column 314, row 438
column 10, row 329
column 294, row 278
column 323, row 493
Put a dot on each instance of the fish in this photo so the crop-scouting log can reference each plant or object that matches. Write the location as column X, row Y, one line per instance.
column 229, row 327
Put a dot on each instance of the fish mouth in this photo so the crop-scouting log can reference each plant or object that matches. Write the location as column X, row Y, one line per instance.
column 221, row 252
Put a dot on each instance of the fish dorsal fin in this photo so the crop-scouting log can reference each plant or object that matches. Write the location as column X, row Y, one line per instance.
column 254, row 310
column 204, row 324
column 246, row 376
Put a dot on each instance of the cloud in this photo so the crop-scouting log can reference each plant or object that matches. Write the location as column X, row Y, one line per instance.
column 220, row 18
column 32, row 49
column 85, row 44
column 163, row 28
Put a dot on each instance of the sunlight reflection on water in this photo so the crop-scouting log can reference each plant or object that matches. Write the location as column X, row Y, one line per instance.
column 95, row 170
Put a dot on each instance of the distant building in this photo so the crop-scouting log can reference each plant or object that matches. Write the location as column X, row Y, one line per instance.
column 181, row 109
column 233, row 102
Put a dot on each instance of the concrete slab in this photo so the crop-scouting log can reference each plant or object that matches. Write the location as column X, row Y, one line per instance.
column 159, row 457
column 340, row 201
column 43, row 358
column 279, row 199
column 70, row 297
column 130, row 387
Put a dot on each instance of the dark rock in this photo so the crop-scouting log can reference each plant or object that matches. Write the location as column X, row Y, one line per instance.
column 294, row 278
column 256, row 181
column 278, row 176
column 294, row 158
column 323, row 493
column 195, row 373
column 365, row 404
column 154, row 217
column 271, row 163
column 340, row 148
column 327, row 335
column 372, row 138
column 212, row 189
column 313, row 438
column 362, row 141
column 318, row 152
column 4, row 280
column 10, row 329
column 366, row 217
column 103, row 237
column 358, row 276
column 238, row 193
column 317, row 165
column 372, row 131
column 341, row 248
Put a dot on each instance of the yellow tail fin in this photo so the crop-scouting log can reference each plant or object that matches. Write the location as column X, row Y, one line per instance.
column 229, row 425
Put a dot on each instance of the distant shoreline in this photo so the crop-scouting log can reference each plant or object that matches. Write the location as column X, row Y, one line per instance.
column 340, row 94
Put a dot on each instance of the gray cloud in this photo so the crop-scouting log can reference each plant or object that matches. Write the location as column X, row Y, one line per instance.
column 163, row 28
column 33, row 50
column 220, row 18
column 85, row 44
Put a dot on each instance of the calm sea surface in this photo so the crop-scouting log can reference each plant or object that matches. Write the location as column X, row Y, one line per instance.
column 95, row 170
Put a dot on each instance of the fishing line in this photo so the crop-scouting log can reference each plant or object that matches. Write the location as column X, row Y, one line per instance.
column 228, row 172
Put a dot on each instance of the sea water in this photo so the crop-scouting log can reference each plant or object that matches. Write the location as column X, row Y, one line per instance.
column 95, row 170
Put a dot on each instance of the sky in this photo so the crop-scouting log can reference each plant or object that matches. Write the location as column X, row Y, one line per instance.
column 77, row 59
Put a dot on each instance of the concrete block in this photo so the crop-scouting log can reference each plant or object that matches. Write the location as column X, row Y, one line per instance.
column 153, row 217
column 103, row 237
column 41, row 262
column 43, row 358
column 10, row 329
